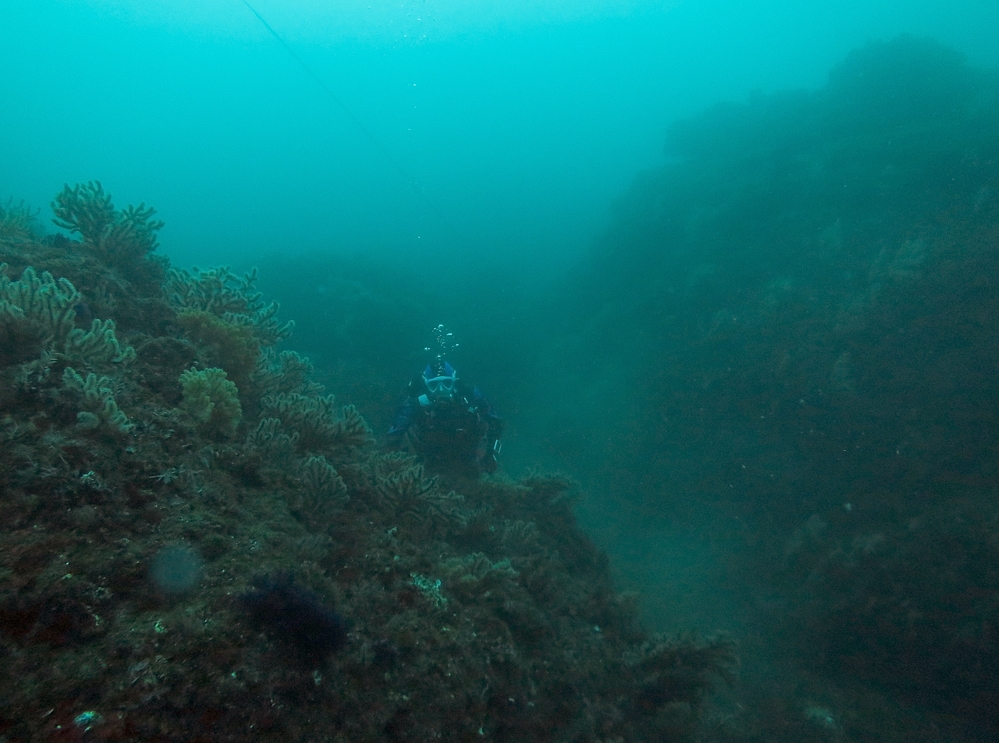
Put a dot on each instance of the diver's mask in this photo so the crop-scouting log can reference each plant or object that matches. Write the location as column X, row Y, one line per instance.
column 441, row 385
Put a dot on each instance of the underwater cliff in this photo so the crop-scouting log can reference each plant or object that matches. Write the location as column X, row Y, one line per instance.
column 800, row 312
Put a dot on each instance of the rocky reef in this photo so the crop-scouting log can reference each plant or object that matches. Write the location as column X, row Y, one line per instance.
column 805, row 294
column 199, row 544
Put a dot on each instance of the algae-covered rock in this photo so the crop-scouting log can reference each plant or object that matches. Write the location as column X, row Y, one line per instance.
column 469, row 613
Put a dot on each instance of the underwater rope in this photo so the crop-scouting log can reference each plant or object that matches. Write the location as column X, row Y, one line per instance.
column 353, row 118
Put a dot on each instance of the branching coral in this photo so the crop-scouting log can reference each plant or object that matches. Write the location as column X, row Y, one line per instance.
column 679, row 669
column 286, row 374
column 98, row 399
column 318, row 426
column 230, row 345
column 212, row 401
column 400, row 477
column 519, row 536
column 443, row 510
column 17, row 223
column 98, row 345
column 413, row 499
column 312, row 418
column 84, row 209
column 320, row 479
column 550, row 489
column 474, row 575
column 114, row 235
column 45, row 306
column 350, row 431
column 40, row 300
column 323, row 493
column 233, row 299
column 272, row 440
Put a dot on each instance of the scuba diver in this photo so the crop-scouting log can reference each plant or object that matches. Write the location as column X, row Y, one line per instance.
column 449, row 424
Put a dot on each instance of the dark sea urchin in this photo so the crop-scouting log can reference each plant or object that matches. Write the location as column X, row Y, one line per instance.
column 294, row 614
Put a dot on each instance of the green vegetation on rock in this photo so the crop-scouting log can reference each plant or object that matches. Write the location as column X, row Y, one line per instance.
column 524, row 636
column 211, row 401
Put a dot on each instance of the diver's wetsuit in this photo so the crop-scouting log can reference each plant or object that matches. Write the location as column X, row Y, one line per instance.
column 457, row 435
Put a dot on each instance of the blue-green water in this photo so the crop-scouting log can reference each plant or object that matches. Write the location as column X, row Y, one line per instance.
column 731, row 266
